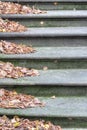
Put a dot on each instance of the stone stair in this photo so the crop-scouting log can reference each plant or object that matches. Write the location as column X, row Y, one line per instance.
column 53, row 18
column 55, row 4
column 60, row 38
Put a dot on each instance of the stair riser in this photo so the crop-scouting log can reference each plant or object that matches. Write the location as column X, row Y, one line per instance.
column 57, row 5
column 48, row 22
column 60, row 6
column 54, row 90
column 67, row 123
column 50, row 64
column 49, row 41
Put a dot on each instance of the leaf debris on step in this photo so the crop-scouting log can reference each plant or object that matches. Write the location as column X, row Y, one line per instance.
column 12, row 48
column 53, row 97
column 15, row 8
column 25, row 124
column 8, row 70
column 11, row 26
column 12, row 99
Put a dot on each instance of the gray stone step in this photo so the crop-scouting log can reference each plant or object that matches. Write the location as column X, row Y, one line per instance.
column 63, row 107
column 55, row 4
column 61, row 41
column 67, row 77
column 64, row 111
column 46, row 1
column 43, row 90
column 51, row 18
column 57, row 36
column 51, row 14
column 50, row 53
column 74, row 128
column 52, row 57
column 48, row 32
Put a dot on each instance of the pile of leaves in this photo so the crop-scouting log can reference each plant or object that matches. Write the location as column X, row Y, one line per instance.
column 12, row 99
column 11, row 26
column 12, row 48
column 25, row 124
column 8, row 70
column 15, row 8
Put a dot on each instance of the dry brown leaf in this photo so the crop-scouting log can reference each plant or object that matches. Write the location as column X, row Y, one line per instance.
column 25, row 124
column 45, row 68
column 12, row 48
column 8, row 70
column 15, row 8
column 10, row 26
column 53, row 97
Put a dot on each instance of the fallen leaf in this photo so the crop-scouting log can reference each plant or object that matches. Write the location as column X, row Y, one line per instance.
column 45, row 68
column 53, row 97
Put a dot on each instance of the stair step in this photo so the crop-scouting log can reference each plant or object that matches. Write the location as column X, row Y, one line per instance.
column 58, row 107
column 53, row 36
column 63, row 47
column 51, row 53
column 48, row 32
column 50, row 64
column 73, row 77
column 51, row 57
column 67, row 112
column 74, row 129
column 51, row 18
column 43, row 90
column 55, row 4
column 50, row 14
column 46, row 1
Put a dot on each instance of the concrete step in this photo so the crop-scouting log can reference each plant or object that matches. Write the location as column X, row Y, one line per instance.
column 43, row 90
column 51, row 57
column 59, row 107
column 54, row 36
column 48, row 32
column 55, row 4
column 50, row 53
column 51, row 18
column 67, row 77
column 64, row 111
column 74, row 128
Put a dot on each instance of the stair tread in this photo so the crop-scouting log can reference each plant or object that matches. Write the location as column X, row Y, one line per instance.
column 74, row 128
column 58, row 107
column 51, row 53
column 46, row 0
column 65, row 77
column 51, row 14
column 48, row 32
